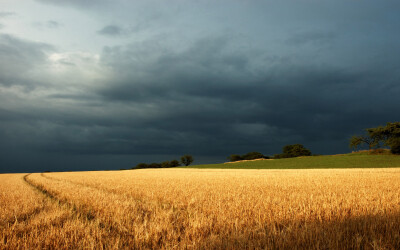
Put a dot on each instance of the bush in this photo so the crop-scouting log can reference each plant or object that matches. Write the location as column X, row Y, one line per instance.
column 235, row 158
column 154, row 165
column 395, row 146
column 248, row 156
column 170, row 164
column 295, row 150
column 253, row 156
column 174, row 163
column 279, row 156
column 166, row 164
column 142, row 165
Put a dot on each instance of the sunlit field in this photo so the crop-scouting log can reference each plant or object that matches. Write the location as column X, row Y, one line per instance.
column 202, row 208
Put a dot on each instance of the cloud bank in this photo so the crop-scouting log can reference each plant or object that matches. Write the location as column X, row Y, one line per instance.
column 157, row 95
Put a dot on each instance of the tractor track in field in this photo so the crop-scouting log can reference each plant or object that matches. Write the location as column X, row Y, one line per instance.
column 79, row 212
column 24, row 217
column 93, row 186
column 145, row 212
column 163, row 204
column 27, row 216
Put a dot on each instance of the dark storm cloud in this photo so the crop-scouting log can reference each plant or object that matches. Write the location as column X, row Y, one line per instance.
column 18, row 57
column 111, row 30
column 207, row 99
column 313, row 38
column 310, row 74
column 185, row 102
column 209, row 92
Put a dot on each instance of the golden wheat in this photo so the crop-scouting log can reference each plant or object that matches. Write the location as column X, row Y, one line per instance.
column 189, row 208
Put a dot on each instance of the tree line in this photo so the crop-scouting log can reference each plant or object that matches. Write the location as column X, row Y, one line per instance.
column 186, row 160
column 288, row 151
column 388, row 135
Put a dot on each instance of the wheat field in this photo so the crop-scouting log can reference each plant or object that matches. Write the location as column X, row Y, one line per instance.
column 202, row 209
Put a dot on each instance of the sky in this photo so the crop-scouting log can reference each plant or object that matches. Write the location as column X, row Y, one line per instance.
column 94, row 85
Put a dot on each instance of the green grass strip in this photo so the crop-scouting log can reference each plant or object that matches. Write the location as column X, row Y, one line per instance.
column 314, row 162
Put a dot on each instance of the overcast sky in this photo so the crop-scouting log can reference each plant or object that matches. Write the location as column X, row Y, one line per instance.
column 104, row 84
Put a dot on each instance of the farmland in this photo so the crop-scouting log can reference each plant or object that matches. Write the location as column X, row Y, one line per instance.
column 202, row 208
column 353, row 160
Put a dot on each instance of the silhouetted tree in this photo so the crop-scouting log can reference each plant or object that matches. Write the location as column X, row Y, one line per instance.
column 235, row 158
column 154, row 165
column 142, row 165
column 186, row 160
column 357, row 140
column 165, row 164
column 389, row 135
column 253, row 156
column 174, row 163
column 295, row 150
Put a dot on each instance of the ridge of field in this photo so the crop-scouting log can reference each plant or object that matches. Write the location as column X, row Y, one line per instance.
column 360, row 160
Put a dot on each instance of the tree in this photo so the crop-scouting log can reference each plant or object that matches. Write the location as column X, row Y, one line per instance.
column 235, row 158
column 395, row 146
column 253, row 156
column 279, row 156
column 248, row 156
column 154, row 165
column 295, row 150
column 165, row 164
column 174, row 163
column 355, row 141
column 141, row 165
column 186, row 160
column 389, row 135
column 370, row 140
